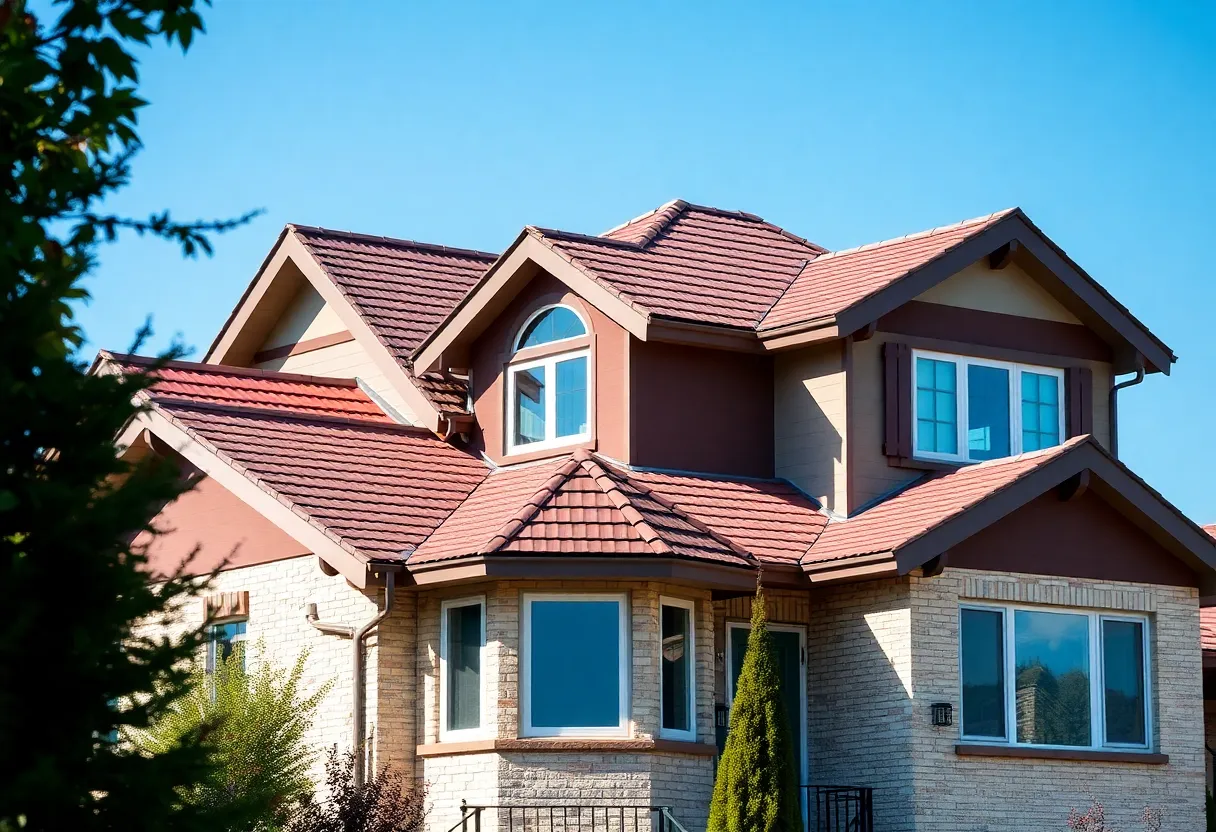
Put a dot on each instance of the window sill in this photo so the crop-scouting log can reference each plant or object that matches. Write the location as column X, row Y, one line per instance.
column 641, row 746
column 516, row 457
column 1147, row 758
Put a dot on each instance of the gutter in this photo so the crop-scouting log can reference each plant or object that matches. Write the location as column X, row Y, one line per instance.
column 358, row 691
column 1114, row 407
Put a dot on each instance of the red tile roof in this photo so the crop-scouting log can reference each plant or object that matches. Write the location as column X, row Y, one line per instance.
column 691, row 262
column 836, row 281
column 378, row 490
column 232, row 387
column 926, row 505
column 403, row 290
column 573, row 506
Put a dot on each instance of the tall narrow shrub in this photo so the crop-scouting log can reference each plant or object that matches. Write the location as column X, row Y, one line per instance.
column 757, row 785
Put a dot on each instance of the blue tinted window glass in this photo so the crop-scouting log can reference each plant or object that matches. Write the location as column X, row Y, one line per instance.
column 221, row 642
column 1123, row 672
column 1040, row 411
column 676, row 668
column 576, row 664
column 464, row 667
column 571, row 401
column 529, row 406
column 987, row 412
column 936, row 407
column 552, row 325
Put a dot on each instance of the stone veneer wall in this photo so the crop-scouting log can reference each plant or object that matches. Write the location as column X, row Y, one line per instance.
column 883, row 651
column 683, row 781
column 278, row 631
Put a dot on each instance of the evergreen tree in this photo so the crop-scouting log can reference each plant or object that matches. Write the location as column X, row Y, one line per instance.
column 73, row 668
column 757, row 785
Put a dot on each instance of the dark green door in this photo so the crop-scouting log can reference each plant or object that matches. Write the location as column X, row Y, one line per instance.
column 788, row 644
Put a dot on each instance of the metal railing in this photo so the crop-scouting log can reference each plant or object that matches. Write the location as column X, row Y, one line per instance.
column 839, row 808
column 614, row 817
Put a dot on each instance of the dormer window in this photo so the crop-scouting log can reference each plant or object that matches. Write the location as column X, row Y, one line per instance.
column 548, row 394
column 972, row 409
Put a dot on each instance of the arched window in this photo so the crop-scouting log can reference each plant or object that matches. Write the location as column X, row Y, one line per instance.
column 548, row 397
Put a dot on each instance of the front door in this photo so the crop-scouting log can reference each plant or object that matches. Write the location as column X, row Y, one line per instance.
column 790, row 644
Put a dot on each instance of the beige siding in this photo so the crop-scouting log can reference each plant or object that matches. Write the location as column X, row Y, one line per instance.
column 952, row 791
column 306, row 316
column 1009, row 291
column 809, row 414
column 348, row 360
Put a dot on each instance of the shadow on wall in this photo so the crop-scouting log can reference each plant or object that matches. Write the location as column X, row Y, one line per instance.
column 809, row 425
column 859, row 718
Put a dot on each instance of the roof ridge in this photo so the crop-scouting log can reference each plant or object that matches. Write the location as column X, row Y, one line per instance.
column 288, row 415
column 625, row 506
column 397, row 242
column 507, row 532
column 226, row 369
column 670, row 505
column 672, row 208
column 941, row 229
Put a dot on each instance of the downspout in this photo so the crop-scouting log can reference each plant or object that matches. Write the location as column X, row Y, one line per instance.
column 1114, row 407
column 357, row 690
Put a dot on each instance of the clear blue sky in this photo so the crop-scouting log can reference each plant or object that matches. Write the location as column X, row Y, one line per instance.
column 845, row 123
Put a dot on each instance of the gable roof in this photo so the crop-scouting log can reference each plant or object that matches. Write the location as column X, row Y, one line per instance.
column 692, row 262
column 319, row 448
column 924, row 520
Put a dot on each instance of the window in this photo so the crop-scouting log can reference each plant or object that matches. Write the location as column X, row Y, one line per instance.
column 462, row 640
column 1068, row 679
column 970, row 409
column 678, row 668
column 548, row 398
column 575, row 679
column 222, row 640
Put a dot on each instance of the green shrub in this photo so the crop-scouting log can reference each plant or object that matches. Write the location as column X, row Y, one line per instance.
column 253, row 724
column 756, row 789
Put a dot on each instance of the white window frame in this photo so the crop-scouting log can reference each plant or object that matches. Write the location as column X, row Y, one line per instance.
column 691, row 651
column 542, row 310
column 1097, row 682
column 803, row 767
column 551, row 440
column 621, row 729
column 460, row 734
column 961, row 409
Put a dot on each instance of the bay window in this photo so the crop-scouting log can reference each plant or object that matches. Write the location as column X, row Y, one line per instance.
column 1056, row 678
column 678, row 662
column 548, row 396
column 970, row 409
column 574, row 665
column 462, row 640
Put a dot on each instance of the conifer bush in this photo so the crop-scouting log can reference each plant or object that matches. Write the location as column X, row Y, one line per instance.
column 756, row 789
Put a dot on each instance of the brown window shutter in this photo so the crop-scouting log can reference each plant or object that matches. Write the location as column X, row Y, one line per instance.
column 897, row 400
column 1079, row 401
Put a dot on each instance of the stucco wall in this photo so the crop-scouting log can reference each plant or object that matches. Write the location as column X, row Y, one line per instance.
column 306, row 316
column 1009, row 291
column 810, row 436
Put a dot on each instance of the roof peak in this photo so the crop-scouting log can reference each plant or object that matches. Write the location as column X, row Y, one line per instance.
column 394, row 242
column 941, row 229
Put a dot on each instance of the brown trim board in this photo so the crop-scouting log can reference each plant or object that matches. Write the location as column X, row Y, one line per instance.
column 301, row 347
column 995, row 329
column 1076, row 754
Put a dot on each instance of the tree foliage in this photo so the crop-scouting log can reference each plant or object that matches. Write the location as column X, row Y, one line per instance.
column 73, row 668
column 384, row 803
column 756, row 789
column 253, row 724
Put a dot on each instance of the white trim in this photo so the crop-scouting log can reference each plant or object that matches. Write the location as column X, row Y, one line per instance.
column 446, row 734
column 551, row 440
column 690, row 650
column 621, row 729
column 1097, row 687
column 800, row 629
column 961, row 409
column 542, row 310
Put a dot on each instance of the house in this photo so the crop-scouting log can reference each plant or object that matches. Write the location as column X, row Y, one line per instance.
column 516, row 505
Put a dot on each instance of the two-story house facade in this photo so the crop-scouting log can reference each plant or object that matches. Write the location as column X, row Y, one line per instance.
column 516, row 506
